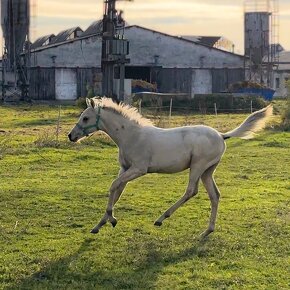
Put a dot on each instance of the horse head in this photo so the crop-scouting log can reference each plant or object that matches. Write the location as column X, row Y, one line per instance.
column 88, row 122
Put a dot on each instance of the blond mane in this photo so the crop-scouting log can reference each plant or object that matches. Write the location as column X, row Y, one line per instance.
column 124, row 110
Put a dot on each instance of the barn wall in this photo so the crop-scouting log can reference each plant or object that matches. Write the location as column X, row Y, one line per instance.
column 42, row 83
column 89, row 78
column 280, row 79
column 174, row 80
column 222, row 78
column 181, row 66
column 145, row 45
column 195, row 81
column 201, row 81
column 63, row 83
column 79, row 53
column 47, row 83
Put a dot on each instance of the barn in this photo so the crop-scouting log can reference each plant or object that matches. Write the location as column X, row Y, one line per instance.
column 282, row 74
column 65, row 66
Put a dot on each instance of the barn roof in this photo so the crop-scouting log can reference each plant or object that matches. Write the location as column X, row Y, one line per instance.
column 206, row 40
column 95, row 28
column 41, row 40
column 65, row 34
column 210, row 40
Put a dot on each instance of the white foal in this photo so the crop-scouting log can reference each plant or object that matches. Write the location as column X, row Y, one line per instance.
column 144, row 148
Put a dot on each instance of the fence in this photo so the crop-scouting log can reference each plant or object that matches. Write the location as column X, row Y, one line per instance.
column 200, row 103
column 187, row 109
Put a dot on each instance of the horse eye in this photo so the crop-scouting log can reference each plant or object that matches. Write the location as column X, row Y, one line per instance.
column 85, row 119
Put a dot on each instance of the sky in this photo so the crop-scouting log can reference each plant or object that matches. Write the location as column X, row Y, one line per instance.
column 176, row 17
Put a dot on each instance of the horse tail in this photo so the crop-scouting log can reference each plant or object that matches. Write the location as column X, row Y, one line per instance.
column 254, row 123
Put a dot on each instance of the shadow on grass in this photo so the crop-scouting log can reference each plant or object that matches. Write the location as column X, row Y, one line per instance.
column 142, row 274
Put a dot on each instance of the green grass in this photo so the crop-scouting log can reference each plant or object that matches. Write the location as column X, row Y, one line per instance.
column 53, row 193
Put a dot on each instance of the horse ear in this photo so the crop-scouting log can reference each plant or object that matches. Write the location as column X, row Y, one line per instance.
column 92, row 103
column 88, row 101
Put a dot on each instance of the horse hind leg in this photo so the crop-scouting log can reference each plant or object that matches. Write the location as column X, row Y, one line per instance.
column 192, row 190
column 214, row 195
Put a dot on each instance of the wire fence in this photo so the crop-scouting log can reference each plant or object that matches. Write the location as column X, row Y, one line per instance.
column 188, row 109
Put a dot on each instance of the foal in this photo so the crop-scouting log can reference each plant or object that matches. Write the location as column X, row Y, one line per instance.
column 144, row 148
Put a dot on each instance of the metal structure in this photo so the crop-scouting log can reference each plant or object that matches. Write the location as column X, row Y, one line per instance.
column 33, row 18
column 115, row 49
column 15, row 19
column 262, row 39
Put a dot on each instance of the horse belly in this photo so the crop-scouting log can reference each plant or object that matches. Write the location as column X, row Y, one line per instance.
column 169, row 162
column 173, row 168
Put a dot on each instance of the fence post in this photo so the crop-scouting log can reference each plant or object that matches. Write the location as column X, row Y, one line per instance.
column 170, row 111
column 215, row 109
column 140, row 107
column 251, row 106
column 58, row 124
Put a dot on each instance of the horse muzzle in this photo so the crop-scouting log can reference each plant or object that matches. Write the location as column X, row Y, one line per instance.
column 71, row 138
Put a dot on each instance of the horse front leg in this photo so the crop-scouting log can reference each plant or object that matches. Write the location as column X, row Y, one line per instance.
column 105, row 218
column 113, row 197
column 116, row 190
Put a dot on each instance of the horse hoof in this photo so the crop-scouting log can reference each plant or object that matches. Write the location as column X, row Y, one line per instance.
column 205, row 234
column 158, row 224
column 94, row 231
column 114, row 222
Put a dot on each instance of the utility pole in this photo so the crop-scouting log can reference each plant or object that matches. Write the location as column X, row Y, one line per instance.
column 115, row 49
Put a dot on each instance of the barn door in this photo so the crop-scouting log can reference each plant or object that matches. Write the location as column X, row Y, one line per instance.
column 65, row 84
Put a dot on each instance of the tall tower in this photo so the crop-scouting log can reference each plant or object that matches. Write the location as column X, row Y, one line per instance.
column 115, row 48
column 261, row 39
column 15, row 18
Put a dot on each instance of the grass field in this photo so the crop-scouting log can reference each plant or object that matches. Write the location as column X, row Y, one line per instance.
column 53, row 192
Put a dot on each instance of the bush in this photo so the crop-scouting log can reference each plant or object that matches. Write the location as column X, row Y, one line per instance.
column 286, row 111
column 227, row 102
column 286, row 117
column 224, row 103
column 46, row 139
column 81, row 103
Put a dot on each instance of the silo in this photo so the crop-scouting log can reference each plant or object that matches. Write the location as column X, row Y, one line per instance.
column 15, row 27
column 257, row 35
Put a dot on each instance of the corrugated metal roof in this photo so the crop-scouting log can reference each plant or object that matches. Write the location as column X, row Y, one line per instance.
column 66, row 34
column 210, row 40
column 42, row 40
column 95, row 28
column 206, row 40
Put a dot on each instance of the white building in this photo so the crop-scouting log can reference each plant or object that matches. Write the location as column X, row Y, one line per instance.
column 282, row 74
column 64, row 67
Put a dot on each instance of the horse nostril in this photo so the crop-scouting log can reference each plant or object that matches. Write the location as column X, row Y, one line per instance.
column 69, row 136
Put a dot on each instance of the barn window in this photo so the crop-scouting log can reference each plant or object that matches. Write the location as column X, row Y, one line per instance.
column 277, row 83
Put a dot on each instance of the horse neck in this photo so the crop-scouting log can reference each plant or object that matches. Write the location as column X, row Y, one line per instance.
column 118, row 127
